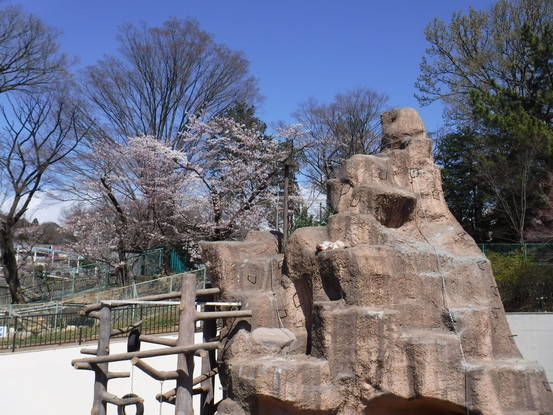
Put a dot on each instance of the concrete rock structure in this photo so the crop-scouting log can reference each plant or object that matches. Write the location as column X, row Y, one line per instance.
column 401, row 316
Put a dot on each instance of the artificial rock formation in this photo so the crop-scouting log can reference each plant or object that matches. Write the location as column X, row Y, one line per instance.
column 402, row 317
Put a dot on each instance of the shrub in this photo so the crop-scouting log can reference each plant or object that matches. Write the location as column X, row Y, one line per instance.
column 524, row 284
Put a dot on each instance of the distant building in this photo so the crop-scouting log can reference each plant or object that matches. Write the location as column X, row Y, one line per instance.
column 48, row 256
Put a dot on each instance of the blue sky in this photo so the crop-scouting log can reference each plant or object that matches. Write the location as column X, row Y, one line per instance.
column 297, row 48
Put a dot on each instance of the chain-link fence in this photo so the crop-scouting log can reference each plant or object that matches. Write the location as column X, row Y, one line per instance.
column 538, row 253
column 536, row 297
column 47, row 283
column 524, row 275
column 57, row 284
column 153, row 286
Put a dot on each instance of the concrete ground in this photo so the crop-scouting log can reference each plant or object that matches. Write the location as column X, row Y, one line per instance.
column 44, row 382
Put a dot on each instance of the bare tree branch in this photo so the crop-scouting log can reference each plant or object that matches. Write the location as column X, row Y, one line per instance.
column 347, row 126
column 164, row 75
column 39, row 131
column 29, row 56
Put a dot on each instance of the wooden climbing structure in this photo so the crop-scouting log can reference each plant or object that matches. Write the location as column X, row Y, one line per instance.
column 183, row 346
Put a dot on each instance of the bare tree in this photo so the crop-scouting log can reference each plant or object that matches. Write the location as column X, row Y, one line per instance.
column 38, row 132
column 29, row 56
column 515, row 177
column 163, row 75
column 336, row 131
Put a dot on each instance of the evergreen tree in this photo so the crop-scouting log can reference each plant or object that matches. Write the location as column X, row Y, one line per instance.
column 467, row 195
column 494, row 71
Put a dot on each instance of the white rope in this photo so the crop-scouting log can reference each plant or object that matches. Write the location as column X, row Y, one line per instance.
column 414, row 173
column 275, row 295
column 160, row 396
column 281, row 325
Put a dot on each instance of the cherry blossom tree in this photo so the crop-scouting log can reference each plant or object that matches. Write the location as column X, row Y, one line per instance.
column 133, row 201
column 144, row 194
column 238, row 170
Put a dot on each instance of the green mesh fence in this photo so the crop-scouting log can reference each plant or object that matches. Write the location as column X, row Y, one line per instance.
column 539, row 253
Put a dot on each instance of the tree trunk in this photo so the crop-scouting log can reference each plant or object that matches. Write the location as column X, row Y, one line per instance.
column 9, row 263
column 166, row 268
column 123, row 273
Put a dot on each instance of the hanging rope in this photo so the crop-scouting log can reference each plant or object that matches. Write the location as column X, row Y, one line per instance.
column 414, row 174
column 275, row 295
column 160, row 396
column 281, row 325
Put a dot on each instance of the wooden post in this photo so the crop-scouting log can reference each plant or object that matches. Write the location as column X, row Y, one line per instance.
column 285, row 224
column 185, row 361
column 101, row 369
column 208, row 364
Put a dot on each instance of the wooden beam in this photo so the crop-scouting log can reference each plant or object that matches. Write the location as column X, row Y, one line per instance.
column 166, row 296
column 200, row 390
column 220, row 303
column 117, row 332
column 205, row 376
column 201, row 353
column 157, row 297
column 169, row 396
column 156, row 374
column 84, row 366
column 118, row 375
column 114, row 399
column 204, row 315
column 146, row 353
column 118, row 303
column 148, row 338
column 95, row 313
column 207, row 291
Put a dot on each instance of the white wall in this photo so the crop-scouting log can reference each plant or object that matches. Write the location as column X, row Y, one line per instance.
column 45, row 383
column 534, row 337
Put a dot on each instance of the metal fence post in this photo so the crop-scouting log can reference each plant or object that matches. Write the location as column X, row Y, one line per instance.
column 14, row 333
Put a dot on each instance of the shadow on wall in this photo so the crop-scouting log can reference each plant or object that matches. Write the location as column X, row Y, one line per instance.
column 394, row 405
column 383, row 405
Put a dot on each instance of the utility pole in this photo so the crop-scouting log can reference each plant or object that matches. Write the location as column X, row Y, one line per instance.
column 286, row 217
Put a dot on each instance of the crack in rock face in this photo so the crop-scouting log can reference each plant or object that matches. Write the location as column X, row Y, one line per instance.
column 396, row 315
